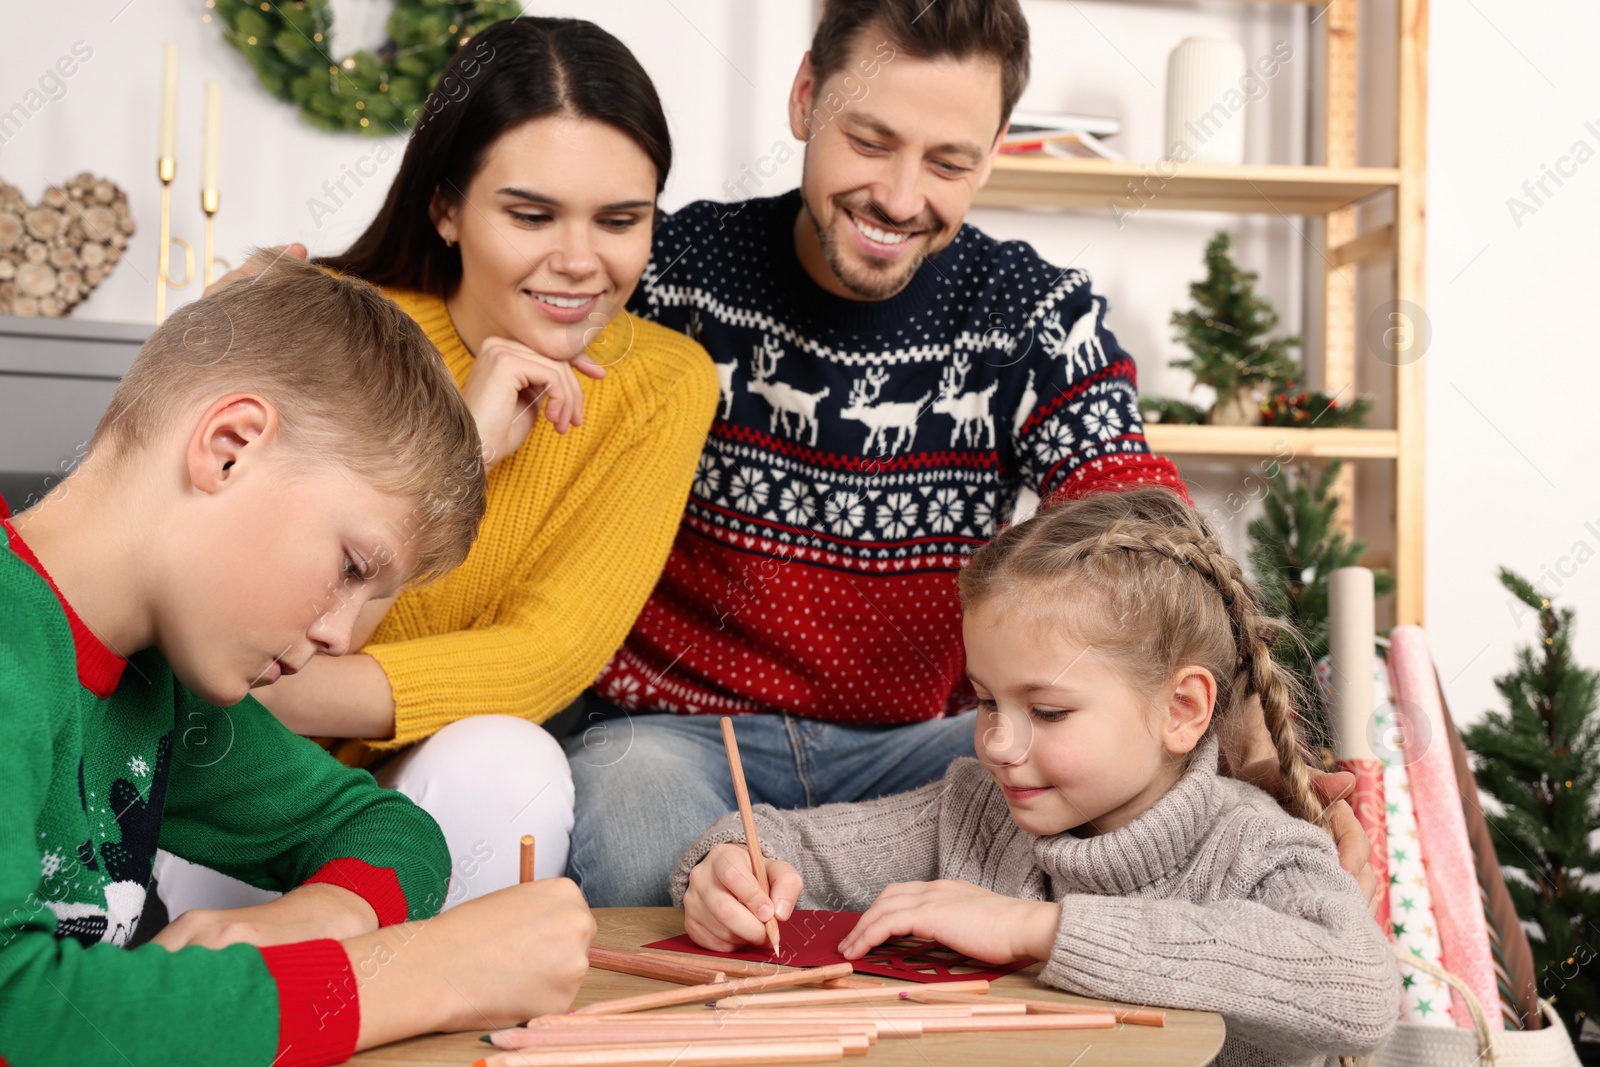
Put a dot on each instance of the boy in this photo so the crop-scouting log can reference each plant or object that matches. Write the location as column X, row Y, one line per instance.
column 279, row 454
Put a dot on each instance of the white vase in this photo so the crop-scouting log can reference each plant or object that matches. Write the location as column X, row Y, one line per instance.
column 1205, row 104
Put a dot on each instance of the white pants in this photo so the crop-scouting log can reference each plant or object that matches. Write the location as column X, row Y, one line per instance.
column 486, row 780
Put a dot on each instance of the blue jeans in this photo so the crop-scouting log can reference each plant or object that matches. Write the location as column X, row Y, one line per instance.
column 649, row 783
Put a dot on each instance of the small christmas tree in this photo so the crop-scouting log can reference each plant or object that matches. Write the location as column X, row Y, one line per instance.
column 1541, row 761
column 1294, row 546
column 1226, row 334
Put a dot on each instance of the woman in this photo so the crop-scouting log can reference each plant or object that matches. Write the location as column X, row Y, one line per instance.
column 517, row 227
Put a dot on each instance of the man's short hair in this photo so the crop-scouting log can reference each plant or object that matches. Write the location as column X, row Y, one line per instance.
column 355, row 382
column 944, row 29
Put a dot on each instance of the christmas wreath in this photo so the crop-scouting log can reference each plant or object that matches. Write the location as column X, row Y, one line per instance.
column 377, row 93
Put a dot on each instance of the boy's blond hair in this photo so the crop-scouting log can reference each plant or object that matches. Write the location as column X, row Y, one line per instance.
column 355, row 382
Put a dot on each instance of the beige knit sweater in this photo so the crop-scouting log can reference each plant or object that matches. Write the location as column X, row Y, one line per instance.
column 1215, row 899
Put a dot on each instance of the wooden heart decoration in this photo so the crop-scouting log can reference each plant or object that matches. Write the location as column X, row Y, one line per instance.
column 54, row 253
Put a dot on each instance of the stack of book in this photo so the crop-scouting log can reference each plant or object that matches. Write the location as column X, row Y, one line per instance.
column 1057, row 133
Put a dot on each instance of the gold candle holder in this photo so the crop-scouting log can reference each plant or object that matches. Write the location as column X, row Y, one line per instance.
column 167, row 169
column 210, row 200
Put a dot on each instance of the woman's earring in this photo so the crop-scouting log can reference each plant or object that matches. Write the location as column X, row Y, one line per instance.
column 450, row 242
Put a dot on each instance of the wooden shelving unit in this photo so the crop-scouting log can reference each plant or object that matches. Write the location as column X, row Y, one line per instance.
column 1332, row 191
column 1028, row 181
column 1273, row 441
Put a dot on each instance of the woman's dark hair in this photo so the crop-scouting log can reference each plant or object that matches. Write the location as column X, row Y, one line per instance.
column 513, row 72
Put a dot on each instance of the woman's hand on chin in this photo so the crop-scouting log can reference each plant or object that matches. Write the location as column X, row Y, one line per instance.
column 510, row 384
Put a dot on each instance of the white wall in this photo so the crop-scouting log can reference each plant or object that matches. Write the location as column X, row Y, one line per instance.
column 722, row 68
column 1513, row 369
column 1511, row 89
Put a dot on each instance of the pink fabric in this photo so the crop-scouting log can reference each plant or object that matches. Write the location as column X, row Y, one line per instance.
column 1367, row 802
column 1441, row 825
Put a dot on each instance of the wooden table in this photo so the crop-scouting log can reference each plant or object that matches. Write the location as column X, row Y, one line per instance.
column 1190, row 1038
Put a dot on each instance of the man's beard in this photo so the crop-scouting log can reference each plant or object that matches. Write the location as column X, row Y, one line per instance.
column 868, row 284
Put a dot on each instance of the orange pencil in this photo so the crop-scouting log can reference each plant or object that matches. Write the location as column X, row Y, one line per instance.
column 997, row 1023
column 527, row 858
column 757, row 860
column 637, row 963
column 813, row 997
column 693, row 994
column 678, row 1054
column 1134, row 1016
column 741, row 969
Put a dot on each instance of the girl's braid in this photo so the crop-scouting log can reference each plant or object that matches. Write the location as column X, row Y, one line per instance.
column 1194, row 547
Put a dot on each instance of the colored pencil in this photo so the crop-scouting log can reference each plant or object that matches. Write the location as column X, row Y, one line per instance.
column 1133, row 1016
column 994, row 1023
column 839, row 996
column 894, row 1009
column 667, row 1028
column 549, row 1037
column 896, row 1022
column 622, row 961
column 713, row 1054
column 758, row 862
column 746, row 969
column 695, row 994
column 527, row 858
column 897, row 1009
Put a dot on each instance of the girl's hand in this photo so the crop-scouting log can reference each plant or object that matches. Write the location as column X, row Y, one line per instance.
column 959, row 915
column 725, row 909
column 509, row 384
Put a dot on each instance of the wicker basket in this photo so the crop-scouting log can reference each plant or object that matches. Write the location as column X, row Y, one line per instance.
column 1478, row 1046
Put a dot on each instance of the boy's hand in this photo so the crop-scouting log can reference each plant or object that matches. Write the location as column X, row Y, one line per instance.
column 253, row 266
column 725, row 909
column 489, row 963
column 974, row 921
column 508, row 384
column 305, row 914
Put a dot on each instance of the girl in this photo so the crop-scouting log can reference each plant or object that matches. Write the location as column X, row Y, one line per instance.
column 516, row 228
column 1103, row 636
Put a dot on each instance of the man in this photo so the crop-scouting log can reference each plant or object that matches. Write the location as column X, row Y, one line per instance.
column 892, row 379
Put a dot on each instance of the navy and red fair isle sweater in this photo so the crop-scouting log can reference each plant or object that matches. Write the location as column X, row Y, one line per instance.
column 862, row 451
column 104, row 760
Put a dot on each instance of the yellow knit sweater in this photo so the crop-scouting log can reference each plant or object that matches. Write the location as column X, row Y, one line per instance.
column 576, row 534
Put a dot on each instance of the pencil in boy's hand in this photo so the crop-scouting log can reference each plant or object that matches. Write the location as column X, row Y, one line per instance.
column 527, row 858
column 758, row 862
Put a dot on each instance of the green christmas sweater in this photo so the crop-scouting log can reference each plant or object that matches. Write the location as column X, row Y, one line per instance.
column 106, row 759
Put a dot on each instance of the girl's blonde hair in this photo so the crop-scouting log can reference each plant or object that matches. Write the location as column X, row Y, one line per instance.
column 1141, row 578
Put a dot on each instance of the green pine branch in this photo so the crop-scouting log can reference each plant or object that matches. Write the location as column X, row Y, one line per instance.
column 1539, row 758
column 1294, row 546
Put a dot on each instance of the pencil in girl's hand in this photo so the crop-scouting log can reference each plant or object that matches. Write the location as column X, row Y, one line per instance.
column 527, row 858
column 758, row 862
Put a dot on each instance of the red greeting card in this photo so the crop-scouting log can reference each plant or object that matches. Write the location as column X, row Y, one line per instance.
column 811, row 939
